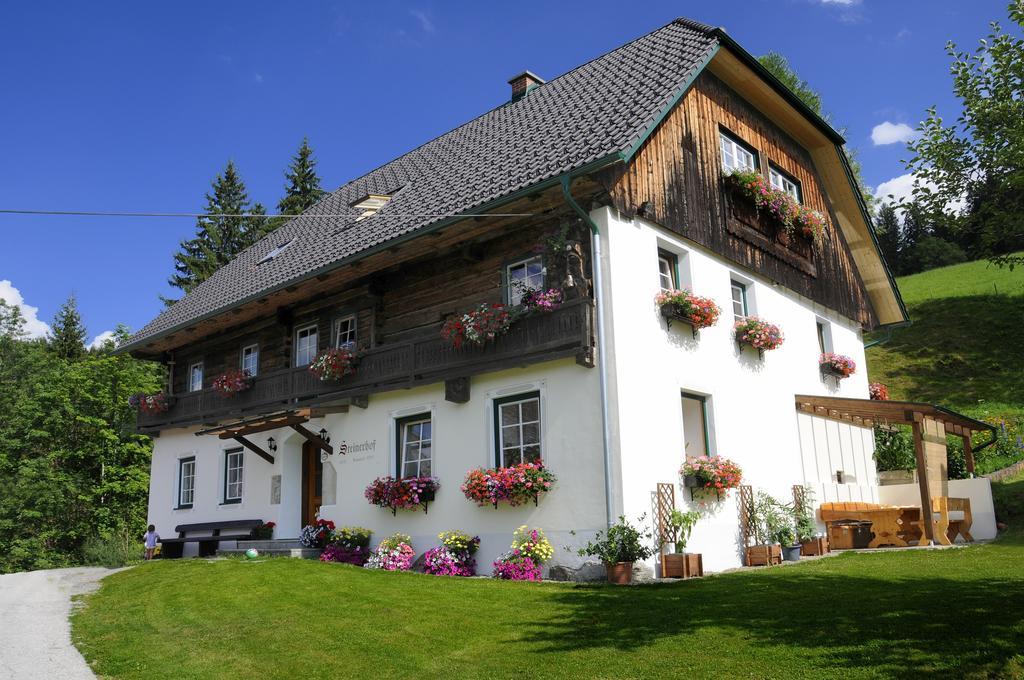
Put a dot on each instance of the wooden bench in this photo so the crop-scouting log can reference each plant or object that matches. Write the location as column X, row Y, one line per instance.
column 951, row 517
column 885, row 520
column 211, row 538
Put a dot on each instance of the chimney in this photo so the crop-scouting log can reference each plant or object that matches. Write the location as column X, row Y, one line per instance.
column 523, row 83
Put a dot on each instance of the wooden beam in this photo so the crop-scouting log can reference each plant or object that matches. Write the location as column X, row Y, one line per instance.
column 456, row 390
column 255, row 449
column 969, row 453
column 261, row 426
column 313, row 438
column 361, row 401
column 927, row 525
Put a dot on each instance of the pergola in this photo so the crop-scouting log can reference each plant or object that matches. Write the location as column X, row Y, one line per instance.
column 931, row 425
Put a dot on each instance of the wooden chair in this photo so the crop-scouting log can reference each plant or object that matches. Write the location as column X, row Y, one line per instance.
column 946, row 527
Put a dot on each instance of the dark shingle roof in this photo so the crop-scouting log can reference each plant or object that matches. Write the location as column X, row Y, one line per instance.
column 597, row 110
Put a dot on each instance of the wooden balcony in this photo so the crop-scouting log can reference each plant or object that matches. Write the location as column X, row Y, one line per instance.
column 566, row 332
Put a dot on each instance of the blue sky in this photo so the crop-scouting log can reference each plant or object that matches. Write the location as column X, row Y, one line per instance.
column 136, row 106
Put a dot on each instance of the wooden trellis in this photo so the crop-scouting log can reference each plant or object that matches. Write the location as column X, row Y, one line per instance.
column 799, row 498
column 665, row 503
column 746, row 506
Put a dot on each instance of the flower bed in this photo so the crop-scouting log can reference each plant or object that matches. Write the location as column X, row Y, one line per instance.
column 513, row 485
column 477, row 327
column 839, row 365
column 699, row 312
column 333, row 363
column 758, row 333
column 317, row 535
column 150, row 403
column 406, row 493
column 789, row 214
column 264, row 532
column 394, row 553
column 534, row 300
column 878, row 391
column 454, row 557
column 712, row 473
column 230, row 383
column 350, row 545
column 523, row 562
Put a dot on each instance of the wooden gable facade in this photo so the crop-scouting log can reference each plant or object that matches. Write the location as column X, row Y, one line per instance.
column 675, row 180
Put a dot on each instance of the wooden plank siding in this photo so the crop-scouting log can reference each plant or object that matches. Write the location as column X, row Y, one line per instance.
column 678, row 174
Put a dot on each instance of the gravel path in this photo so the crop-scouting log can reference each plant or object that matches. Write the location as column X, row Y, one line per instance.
column 35, row 636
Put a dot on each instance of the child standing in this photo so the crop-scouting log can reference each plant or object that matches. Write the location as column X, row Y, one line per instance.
column 151, row 538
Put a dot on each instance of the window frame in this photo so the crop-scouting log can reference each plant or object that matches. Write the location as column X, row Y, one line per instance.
column 723, row 137
column 336, row 330
column 824, row 330
column 744, row 300
column 703, row 399
column 400, row 442
column 774, row 171
column 228, row 455
column 299, row 329
column 510, row 294
column 520, row 397
column 182, row 462
column 191, row 376
column 255, row 347
column 672, row 260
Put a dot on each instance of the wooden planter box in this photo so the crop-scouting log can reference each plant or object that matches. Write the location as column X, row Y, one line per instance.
column 815, row 546
column 685, row 565
column 764, row 555
column 829, row 371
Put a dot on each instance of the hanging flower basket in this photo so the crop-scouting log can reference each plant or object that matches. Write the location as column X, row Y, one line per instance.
column 788, row 214
column 710, row 473
column 514, row 485
column 682, row 305
column 534, row 300
column 334, row 363
column 477, row 327
column 878, row 391
column 150, row 404
column 230, row 383
column 758, row 333
column 406, row 493
column 836, row 365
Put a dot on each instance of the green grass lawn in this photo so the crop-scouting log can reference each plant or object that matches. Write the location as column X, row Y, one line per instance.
column 958, row 612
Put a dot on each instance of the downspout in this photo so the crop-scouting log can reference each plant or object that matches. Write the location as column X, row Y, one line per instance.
column 595, row 244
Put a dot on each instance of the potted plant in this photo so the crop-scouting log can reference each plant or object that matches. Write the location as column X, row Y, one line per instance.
column 264, row 532
column 807, row 528
column 682, row 305
column 676, row 562
column 618, row 548
column 771, row 525
column 836, row 365
column 710, row 473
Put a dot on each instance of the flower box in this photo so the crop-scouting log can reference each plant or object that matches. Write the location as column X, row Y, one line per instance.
column 477, row 327
column 759, row 334
column 406, row 493
column 514, row 485
column 264, row 532
column 764, row 555
column 334, row 363
column 791, row 218
column 682, row 565
column 815, row 546
column 710, row 474
column 229, row 383
column 682, row 305
column 836, row 365
column 151, row 404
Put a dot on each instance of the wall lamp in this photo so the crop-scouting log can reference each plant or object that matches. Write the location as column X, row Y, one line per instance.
column 325, row 435
column 271, row 444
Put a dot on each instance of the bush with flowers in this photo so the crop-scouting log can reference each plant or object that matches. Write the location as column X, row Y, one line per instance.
column 758, row 333
column 713, row 473
column 701, row 312
column 536, row 300
column 334, row 363
column 477, row 327
column 150, row 403
column 317, row 535
column 878, row 391
column 838, row 365
column 530, row 550
column 405, row 493
column 791, row 216
column 394, row 553
column 231, row 382
column 515, row 485
column 454, row 557
column 350, row 545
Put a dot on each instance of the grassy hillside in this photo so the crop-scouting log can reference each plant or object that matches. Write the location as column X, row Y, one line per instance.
column 965, row 348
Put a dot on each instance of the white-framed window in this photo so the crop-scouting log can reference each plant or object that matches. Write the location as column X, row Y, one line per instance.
column 415, row 446
column 195, row 376
column 528, row 273
column 668, row 271
column 345, row 334
column 234, row 459
column 736, row 156
column 696, row 426
column 250, row 359
column 824, row 329
column 517, row 421
column 740, row 307
column 784, row 182
column 305, row 345
column 186, row 481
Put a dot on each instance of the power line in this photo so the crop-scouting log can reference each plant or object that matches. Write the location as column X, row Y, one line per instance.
column 88, row 213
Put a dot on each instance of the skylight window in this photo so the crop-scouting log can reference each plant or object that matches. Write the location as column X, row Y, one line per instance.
column 370, row 204
column 275, row 252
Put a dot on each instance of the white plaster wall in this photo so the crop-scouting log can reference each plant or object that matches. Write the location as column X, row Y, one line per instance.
column 463, row 439
column 979, row 490
column 827, row 446
column 751, row 401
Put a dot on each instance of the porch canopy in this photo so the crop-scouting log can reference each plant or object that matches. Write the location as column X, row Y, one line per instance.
column 239, row 430
column 931, row 425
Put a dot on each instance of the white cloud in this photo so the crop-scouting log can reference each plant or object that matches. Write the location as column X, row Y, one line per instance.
column 891, row 133
column 101, row 339
column 12, row 296
column 902, row 186
column 844, row 3
column 425, row 23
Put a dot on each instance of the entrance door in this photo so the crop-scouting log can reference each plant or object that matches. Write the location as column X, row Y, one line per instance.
column 312, row 483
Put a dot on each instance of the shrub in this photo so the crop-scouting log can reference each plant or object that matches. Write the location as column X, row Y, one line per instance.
column 351, row 537
column 514, row 485
column 454, row 557
column 702, row 312
column 894, row 449
column 758, row 333
column 109, row 551
column 622, row 542
column 394, row 553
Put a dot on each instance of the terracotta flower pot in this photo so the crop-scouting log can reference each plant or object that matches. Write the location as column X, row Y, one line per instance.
column 620, row 573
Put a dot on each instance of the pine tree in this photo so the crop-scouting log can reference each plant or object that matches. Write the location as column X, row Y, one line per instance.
column 890, row 238
column 221, row 234
column 68, row 334
column 303, row 185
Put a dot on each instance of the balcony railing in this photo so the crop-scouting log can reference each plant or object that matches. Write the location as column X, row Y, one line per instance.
column 565, row 332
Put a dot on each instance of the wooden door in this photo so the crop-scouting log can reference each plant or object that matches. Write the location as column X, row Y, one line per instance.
column 312, row 483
